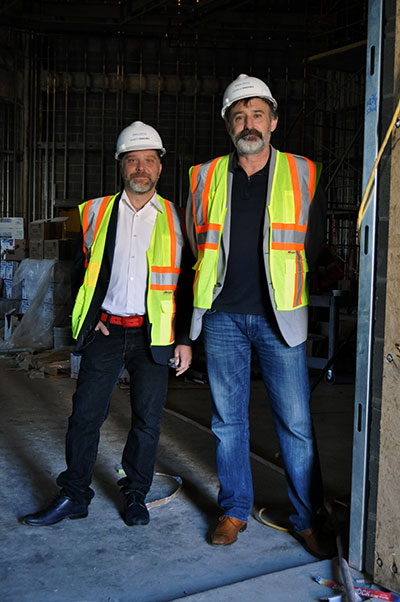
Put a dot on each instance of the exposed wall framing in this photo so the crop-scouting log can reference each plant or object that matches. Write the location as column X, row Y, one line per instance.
column 77, row 90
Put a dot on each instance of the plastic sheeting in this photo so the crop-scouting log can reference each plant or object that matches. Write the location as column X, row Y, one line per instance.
column 48, row 304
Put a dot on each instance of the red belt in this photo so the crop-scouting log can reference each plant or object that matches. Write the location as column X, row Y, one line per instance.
column 125, row 321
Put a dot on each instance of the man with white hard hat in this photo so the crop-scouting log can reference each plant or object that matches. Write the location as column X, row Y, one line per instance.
column 125, row 278
column 256, row 221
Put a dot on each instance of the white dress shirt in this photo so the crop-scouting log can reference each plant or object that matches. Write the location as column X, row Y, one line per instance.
column 126, row 294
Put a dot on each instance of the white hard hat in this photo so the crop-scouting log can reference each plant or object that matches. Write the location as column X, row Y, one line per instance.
column 139, row 136
column 246, row 87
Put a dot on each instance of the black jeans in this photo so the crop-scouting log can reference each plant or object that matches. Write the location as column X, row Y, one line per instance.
column 102, row 362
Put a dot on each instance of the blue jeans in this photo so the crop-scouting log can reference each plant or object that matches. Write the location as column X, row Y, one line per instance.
column 228, row 340
column 102, row 363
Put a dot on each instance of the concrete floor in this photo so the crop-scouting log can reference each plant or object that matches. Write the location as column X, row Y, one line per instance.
column 100, row 559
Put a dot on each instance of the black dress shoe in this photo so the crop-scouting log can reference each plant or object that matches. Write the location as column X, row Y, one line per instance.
column 62, row 507
column 136, row 512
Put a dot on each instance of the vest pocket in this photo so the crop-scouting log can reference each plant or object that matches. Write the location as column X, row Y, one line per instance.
column 290, row 267
column 294, row 293
column 166, row 333
column 77, row 310
column 167, row 306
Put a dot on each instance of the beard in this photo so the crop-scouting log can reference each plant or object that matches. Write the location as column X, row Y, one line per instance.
column 140, row 186
column 247, row 146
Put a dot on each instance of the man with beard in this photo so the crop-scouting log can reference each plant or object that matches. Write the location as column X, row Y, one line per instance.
column 255, row 221
column 125, row 278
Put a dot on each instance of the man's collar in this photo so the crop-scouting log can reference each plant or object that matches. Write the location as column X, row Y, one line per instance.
column 235, row 164
column 153, row 201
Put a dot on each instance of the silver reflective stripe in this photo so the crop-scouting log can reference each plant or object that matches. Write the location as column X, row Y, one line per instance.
column 198, row 196
column 177, row 217
column 304, row 180
column 299, row 274
column 211, row 236
column 166, row 278
column 288, row 236
column 92, row 217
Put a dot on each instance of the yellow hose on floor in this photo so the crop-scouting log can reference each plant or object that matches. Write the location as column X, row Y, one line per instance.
column 269, row 523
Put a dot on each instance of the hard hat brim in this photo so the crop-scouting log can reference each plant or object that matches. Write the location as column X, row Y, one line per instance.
column 269, row 99
column 161, row 151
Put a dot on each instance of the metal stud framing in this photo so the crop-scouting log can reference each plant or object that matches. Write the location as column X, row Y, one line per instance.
column 366, row 293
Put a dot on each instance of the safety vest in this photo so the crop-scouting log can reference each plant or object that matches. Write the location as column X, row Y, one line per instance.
column 163, row 259
column 293, row 187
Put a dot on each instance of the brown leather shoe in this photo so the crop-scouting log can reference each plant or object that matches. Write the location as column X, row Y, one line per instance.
column 227, row 531
column 317, row 542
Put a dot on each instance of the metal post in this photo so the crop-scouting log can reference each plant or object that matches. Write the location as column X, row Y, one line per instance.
column 66, row 99
column 159, row 90
column 35, row 71
column 122, row 84
column 8, row 159
column 2, row 210
column 140, row 84
column 16, row 196
column 103, row 100
column 84, row 128
column 212, row 132
column 194, row 114
column 117, row 128
column 53, row 150
column 178, row 150
column 25, row 122
column 286, row 98
column 366, row 293
column 46, row 158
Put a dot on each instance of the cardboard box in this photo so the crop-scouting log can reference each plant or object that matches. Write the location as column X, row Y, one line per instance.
column 62, row 248
column 11, row 290
column 12, row 227
column 11, row 321
column 11, row 268
column 39, row 229
column 36, row 249
column 59, row 227
column 42, row 229
column 24, row 306
column 73, row 225
column 57, row 293
column 18, row 250
column 6, row 244
column 8, row 304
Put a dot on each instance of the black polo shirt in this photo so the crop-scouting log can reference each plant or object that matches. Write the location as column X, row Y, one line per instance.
column 245, row 289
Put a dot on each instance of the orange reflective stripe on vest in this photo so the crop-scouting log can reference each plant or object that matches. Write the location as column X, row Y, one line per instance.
column 208, row 186
column 294, row 181
column 164, row 259
column 163, row 277
column 163, row 256
column 92, row 232
column 208, row 233
column 295, row 190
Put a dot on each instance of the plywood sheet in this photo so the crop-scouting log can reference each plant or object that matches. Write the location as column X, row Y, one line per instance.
column 387, row 543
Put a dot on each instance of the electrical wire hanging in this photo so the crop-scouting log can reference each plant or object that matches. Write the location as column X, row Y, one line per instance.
column 366, row 197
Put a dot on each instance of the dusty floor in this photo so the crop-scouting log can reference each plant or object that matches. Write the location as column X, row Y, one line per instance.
column 100, row 559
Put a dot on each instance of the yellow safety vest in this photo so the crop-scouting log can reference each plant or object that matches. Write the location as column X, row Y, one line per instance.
column 293, row 187
column 163, row 259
